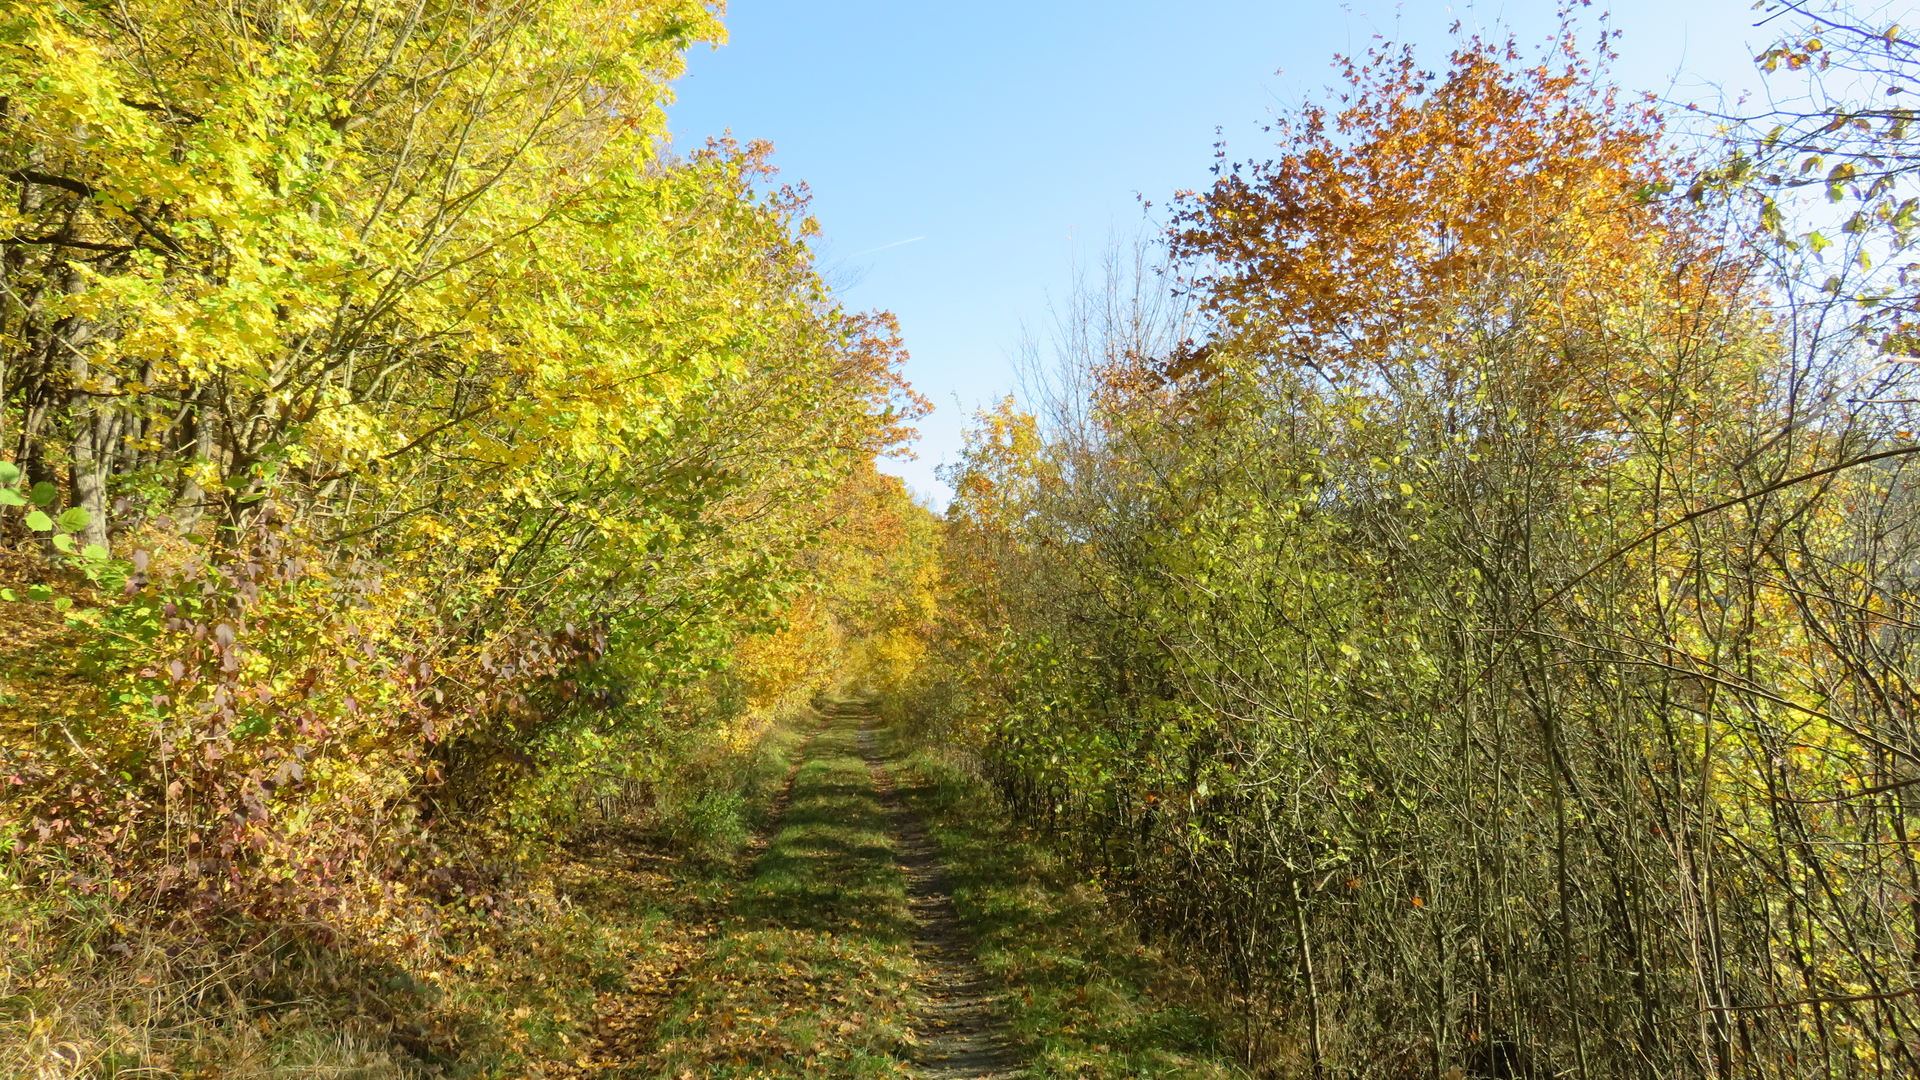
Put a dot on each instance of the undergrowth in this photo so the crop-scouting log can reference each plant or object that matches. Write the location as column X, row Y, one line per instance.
column 514, row 982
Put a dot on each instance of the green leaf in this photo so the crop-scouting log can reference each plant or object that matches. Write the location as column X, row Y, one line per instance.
column 62, row 603
column 8, row 595
column 39, row 522
column 63, row 542
column 75, row 519
column 95, row 553
column 39, row 592
column 43, row 493
column 9, row 474
column 10, row 497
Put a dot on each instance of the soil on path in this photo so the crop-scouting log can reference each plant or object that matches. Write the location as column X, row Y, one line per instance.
column 958, row 1034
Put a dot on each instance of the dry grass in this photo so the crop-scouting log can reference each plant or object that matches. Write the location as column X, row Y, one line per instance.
column 165, row 1007
column 560, row 972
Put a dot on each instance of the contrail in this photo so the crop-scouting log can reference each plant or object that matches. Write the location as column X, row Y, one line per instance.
column 884, row 247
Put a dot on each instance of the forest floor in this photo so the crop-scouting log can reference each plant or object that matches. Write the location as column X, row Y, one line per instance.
column 886, row 919
column 888, row 923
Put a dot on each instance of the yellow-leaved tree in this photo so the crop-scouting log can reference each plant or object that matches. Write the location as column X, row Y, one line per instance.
column 393, row 406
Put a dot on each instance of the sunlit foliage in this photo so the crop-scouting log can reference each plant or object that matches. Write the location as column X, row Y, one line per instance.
column 1473, row 607
column 415, row 449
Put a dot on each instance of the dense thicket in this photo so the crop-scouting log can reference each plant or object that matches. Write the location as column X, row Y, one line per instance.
column 1469, row 597
column 403, row 449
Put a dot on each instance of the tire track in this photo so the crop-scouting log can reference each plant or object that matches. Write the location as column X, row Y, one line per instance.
column 957, row 1030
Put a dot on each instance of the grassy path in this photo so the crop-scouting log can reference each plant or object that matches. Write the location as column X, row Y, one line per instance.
column 893, row 924
column 845, row 955
column 814, row 973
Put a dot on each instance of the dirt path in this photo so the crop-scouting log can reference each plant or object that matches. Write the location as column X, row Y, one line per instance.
column 956, row 1029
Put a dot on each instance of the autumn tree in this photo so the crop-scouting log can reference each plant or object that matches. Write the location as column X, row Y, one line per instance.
column 393, row 407
column 1445, row 637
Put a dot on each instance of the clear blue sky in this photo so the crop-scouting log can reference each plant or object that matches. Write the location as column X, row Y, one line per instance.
column 1002, row 138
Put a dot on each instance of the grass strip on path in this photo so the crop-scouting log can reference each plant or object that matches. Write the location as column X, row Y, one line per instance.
column 813, row 974
column 1084, row 998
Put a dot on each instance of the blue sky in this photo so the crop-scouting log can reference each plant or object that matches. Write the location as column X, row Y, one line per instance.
column 962, row 155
